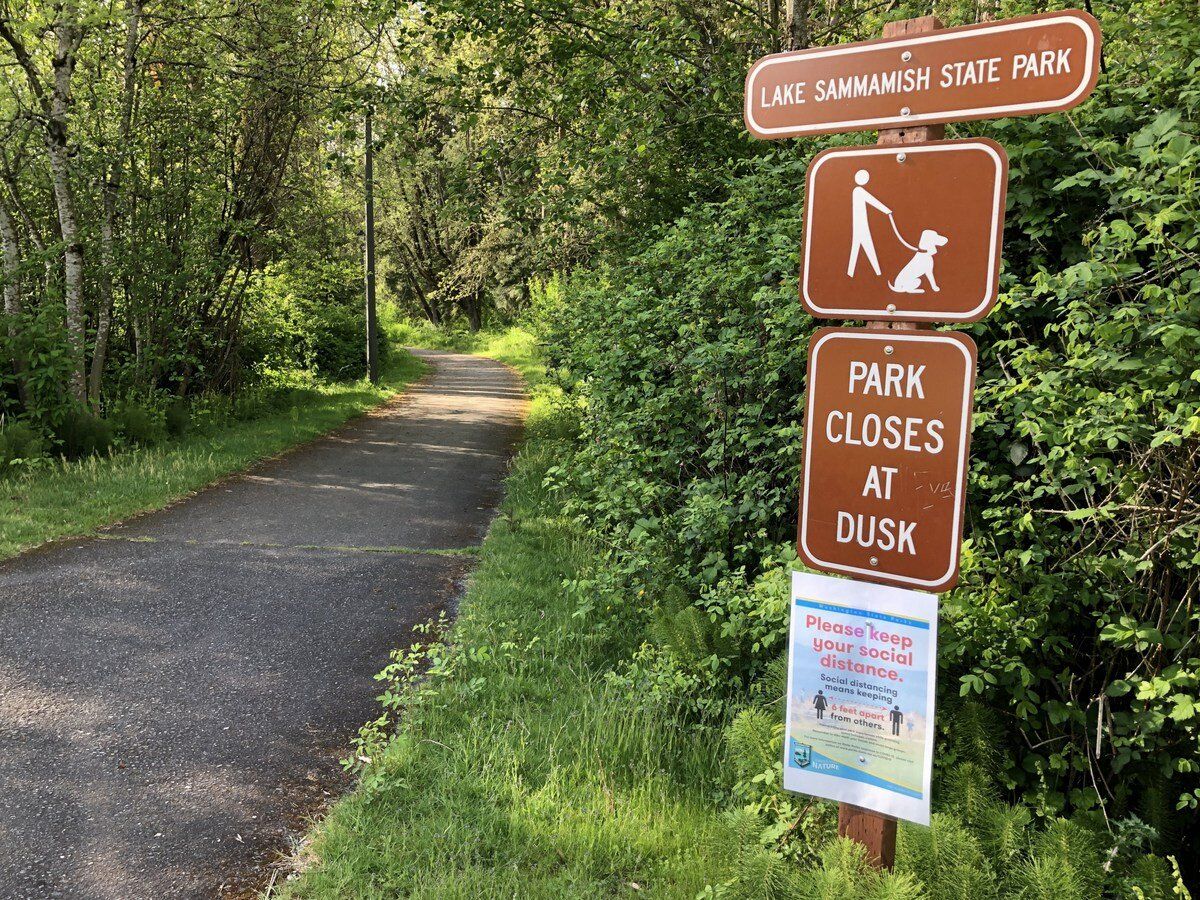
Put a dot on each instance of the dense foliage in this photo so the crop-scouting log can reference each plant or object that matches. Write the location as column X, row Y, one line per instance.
column 175, row 215
column 1076, row 621
column 177, row 220
column 525, row 139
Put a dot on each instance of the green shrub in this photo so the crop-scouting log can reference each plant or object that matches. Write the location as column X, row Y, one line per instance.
column 138, row 425
column 308, row 315
column 20, row 444
column 406, row 332
column 844, row 872
column 177, row 417
column 80, row 433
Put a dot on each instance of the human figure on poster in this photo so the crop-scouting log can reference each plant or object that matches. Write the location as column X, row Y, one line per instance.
column 897, row 717
column 820, row 703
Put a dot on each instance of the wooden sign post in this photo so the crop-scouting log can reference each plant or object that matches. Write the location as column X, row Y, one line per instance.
column 904, row 232
column 877, row 833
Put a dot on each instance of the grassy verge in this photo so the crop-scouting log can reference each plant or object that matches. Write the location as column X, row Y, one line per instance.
column 76, row 498
column 510, row 775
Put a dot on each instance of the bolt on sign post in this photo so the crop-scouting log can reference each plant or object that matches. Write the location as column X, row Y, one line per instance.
column 904, row 232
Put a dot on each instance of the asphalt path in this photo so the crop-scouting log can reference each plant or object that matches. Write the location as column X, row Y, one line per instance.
column 175, row 695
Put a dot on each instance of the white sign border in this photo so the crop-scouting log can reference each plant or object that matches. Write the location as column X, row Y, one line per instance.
column 956, row 533
column 868, row 596
column 909, row 315
column 920, row 118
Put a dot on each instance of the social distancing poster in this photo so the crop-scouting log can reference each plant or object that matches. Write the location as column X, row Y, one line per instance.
column 861, row 678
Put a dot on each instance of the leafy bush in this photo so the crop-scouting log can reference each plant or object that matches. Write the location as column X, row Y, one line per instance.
column 177, row 417
column 983, row 849
column 38, row 339
column 20, row 444
column 138, row 425
column 81, row 433
column 308, row 315
column 406, row 332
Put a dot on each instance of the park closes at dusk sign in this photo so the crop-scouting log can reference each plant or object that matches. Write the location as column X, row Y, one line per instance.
column 908, row 232
column 887, row 432
column 1033, row 64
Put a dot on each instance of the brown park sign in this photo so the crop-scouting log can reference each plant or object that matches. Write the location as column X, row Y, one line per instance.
column 1032, row 64
column 909, row 232
column 887, row 434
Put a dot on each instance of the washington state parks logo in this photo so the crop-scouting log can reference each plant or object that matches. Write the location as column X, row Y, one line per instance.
column 801, row 755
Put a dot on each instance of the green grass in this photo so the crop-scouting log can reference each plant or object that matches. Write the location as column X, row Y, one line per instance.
column 516, row 772
column 75, row 498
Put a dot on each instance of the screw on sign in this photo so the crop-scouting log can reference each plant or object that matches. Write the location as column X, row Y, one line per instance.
column 904, row 232
column 888, row 427
column 911, row 234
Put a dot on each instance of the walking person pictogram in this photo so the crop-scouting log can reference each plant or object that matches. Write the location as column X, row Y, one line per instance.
column 897, row 717
column 820, row 703
column 861, row 238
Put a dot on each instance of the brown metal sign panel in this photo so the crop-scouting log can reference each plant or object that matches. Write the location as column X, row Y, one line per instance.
column 887, row 436
column 1022, row 66
column 908, row 232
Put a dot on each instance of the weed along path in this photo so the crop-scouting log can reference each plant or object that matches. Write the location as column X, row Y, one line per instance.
column 174, row 696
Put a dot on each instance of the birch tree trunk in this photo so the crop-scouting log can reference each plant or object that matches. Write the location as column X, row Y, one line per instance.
column 11, row 250
column 12, row 287
column 69, row 35
column 112, row 196
column 31, row 233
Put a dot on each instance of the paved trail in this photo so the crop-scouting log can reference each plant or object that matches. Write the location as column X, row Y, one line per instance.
column 173, row 698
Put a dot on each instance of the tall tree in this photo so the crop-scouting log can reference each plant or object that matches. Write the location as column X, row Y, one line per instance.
column 52, row 95
column 112, row 197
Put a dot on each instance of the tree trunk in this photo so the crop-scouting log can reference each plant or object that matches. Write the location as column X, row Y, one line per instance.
column 31, row 232
column 472, row 307
column 12, row 294
column 773, row 14
column 69, row 35
column 12, row 286
column 104, row 314
column 112, row 195
column 797, row 37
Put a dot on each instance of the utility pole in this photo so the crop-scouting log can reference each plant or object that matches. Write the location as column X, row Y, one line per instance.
column 372, row 321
